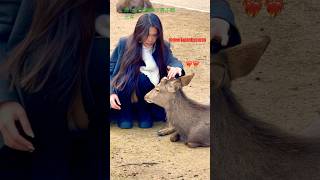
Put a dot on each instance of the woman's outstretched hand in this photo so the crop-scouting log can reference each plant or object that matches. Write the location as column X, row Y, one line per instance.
column 10, row 113
column 173, row 71
column 115, row 102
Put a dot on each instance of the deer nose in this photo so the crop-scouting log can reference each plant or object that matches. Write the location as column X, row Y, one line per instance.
column 147, row 99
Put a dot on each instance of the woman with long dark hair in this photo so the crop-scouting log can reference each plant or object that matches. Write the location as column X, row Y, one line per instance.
column 136, row 66
column 45, row 52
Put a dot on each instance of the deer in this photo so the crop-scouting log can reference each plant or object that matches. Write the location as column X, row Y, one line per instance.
column 245, row 148
column 132, row 6
column 190, row 121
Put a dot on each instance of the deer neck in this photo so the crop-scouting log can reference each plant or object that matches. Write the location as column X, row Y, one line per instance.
column 178, row 102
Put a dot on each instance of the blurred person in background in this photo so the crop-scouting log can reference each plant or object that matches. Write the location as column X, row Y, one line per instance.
column 223, row 31
column 46, row 49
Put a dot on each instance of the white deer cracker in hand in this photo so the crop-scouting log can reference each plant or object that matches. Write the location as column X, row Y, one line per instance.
column 191, row 120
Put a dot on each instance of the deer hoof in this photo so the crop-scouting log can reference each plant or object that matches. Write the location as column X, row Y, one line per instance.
column 174, row 138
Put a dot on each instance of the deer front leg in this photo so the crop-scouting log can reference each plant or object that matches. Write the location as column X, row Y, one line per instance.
column 166, row 131
column 175, row 137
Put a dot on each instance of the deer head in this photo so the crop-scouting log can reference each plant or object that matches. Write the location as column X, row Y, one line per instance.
column 166, row 90
column 133, row 4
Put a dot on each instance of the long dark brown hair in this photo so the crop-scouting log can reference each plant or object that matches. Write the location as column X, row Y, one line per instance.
column 57, row 42
column 132, row 57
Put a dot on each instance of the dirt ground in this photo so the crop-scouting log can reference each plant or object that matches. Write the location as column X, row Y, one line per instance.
column 288, row 92
column 200, row 5
column 139, row 153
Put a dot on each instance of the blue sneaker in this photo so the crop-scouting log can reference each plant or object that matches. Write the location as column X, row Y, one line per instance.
column 145, row 124
column 125, row 124
column 144, row 114
column 145, row 120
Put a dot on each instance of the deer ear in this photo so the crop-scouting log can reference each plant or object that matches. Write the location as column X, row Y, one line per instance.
column 185, row 80
column 242, row 59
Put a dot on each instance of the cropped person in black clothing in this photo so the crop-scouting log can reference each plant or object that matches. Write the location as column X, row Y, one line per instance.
column 46, row 51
